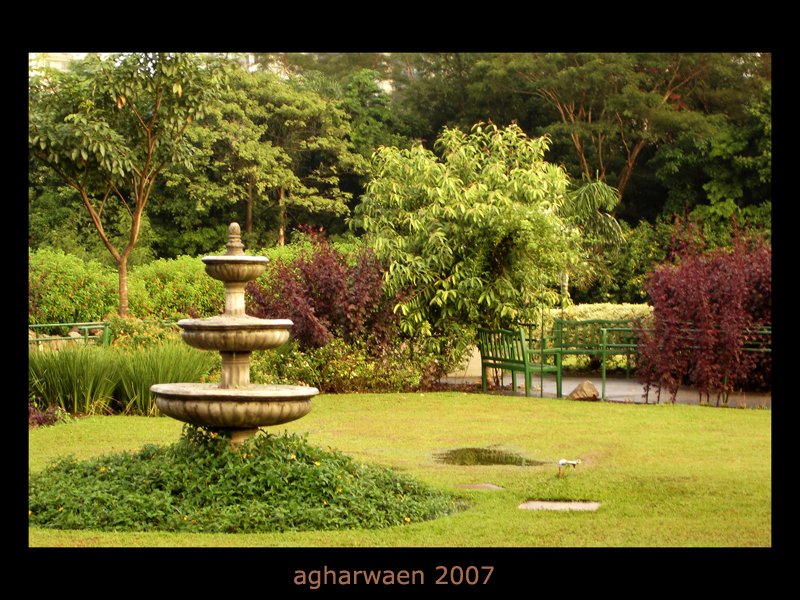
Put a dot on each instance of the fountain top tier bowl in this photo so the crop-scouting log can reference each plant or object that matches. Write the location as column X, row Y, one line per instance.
column 235, row 266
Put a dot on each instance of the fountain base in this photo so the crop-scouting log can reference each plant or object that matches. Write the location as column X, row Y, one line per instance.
column 208, row 405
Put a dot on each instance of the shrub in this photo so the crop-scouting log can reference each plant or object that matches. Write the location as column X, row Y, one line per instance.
column 133, row 333
column 50, row 416
column 704, row 303
column 339, row 367
column 605, row 311
column 176, row 288
column 64, row 289
column 326, row 296
column 200, row 484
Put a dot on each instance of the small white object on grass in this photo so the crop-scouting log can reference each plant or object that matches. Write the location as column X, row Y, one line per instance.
column 564, row 462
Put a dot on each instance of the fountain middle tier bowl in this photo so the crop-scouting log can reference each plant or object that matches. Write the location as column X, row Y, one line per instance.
column 235, row 269
column 235, row 334
column 205, row 404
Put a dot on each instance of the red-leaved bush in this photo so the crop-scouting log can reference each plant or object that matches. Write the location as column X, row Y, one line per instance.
column 707, row 308
column 325, row 297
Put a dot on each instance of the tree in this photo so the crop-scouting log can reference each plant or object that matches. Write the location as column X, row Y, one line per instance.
column 613, row 106
column 372, row 120
column 588, row 207
column 469, row 237
column 110, row 126
column 729, row 173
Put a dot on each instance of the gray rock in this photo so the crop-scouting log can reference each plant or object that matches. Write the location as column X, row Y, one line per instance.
column 585, row 391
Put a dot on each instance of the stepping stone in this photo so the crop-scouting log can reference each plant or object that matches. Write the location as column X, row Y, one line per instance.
column 478, row 486
column 543, row 505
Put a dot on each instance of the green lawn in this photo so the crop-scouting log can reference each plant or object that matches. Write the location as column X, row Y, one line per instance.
column 665, row 475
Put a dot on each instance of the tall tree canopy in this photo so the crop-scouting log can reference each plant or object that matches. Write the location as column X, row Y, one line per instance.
column 269, row 146
column 612, row 106
column 110, row 126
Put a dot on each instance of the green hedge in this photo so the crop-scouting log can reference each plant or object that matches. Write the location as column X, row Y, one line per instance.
column 605, row 311
column 62, row 288
column 177, row 288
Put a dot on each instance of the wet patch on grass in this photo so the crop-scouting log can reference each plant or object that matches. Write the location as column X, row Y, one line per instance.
column 484, row 456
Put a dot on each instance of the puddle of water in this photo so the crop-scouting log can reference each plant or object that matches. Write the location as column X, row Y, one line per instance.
column 483, row 456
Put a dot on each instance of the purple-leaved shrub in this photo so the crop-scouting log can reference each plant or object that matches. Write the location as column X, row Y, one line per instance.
column 707, row 306
column 327, row 296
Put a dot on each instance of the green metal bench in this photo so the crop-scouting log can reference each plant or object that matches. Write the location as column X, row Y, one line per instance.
column 513, row 351
column 614, row 340
column 586, row 338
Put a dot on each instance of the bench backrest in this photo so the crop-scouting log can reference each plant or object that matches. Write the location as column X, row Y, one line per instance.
column 587, row 334
column 502, row 344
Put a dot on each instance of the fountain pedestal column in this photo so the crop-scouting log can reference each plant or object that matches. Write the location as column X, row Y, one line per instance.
column 235, row 405
column 235, row 371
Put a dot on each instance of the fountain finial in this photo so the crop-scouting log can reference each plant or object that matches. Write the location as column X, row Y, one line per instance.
column 235, row 246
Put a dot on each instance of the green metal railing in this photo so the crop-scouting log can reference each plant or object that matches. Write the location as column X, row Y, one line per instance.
column 101, row 338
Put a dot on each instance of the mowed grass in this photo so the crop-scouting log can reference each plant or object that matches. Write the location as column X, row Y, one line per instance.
column 665, row 475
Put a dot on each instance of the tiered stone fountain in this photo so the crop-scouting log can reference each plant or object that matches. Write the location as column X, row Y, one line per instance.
column 234, row 405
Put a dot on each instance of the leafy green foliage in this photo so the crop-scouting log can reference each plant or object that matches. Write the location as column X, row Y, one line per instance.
column 270, row 150
column 79, row 379
column 471, row 237
column 727, row 174
column 612, row 106
column 339, row 367
column 372, row 120
column 179, row 288
column 64, row 289
column 200, row 484
column 97, row 380
column 139, row 369
column 645, row 247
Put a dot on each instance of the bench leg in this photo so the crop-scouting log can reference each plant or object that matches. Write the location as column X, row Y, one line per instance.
column 558, row 375
column 483, row 378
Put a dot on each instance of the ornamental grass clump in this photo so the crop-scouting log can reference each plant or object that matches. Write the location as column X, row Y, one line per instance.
column 169, row 362
column 103, row 380
column 270, row 483
column 79, row 379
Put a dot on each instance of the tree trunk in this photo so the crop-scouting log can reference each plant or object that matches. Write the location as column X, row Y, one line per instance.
column 564, row 284
column 122, row 268
column 281, row 228
column 248, row 219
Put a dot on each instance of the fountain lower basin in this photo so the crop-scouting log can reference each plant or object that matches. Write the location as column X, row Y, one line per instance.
column 207, row 404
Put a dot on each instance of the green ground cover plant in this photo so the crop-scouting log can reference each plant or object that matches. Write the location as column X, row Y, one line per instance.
column 201, row 484
column 665, row 475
